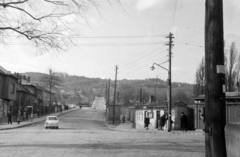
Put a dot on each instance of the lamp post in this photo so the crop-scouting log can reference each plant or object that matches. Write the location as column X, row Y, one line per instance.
column 170, row 94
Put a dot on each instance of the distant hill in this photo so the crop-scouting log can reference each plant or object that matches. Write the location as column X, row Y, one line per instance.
column 87, row 86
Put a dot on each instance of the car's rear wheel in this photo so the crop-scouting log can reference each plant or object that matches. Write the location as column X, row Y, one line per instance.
column 57, row 127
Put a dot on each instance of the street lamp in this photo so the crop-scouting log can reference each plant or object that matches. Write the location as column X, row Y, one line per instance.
column 170, row 94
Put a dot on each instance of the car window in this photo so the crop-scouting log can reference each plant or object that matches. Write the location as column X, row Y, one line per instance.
column 52, row 118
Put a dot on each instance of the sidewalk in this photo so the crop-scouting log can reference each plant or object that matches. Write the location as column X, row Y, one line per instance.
column 128, row 127
column 5, row 126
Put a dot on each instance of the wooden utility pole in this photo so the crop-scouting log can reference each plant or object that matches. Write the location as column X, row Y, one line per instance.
column 114, row 99
column 109, row 89
column 170, row 81
column 156, row 90
column 106, row 96
column 140, row 96
column 215, row 80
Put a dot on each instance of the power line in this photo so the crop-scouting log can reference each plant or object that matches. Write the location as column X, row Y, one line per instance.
column 99, row 44
column 141, row 61
column 175, row 8
column 136, row 63
column 96, row 37
column 189, row 44
column 139, row 56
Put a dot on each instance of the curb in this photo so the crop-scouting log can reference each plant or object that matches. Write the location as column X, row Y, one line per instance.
column 25, row 125
column 156, row 131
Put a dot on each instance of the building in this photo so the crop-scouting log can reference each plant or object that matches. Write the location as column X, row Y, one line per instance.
column 8, row 83
column 232, row 109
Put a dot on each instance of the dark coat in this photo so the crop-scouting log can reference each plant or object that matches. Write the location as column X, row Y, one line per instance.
column 162, row 120
column 184, row 121
column 146, row 121
column 9, row 115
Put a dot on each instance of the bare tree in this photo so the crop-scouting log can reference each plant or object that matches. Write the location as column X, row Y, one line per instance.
column 198, row 88
column 230, row 68
column 45, row 22
column 51, row 81
column 237, row 69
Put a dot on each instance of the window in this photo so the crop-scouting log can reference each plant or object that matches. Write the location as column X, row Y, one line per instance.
column 12, row 88
column 52, row 118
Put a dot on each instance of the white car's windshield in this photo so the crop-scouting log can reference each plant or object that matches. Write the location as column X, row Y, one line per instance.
column 52, row 118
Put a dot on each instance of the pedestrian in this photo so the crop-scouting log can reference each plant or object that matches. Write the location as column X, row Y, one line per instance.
column 162, row 121
column 61, row 109
column 26, row 116
column 31, row 117
column 123, row 119
column 146, row 122
column 9, row 116
column 184, row 122
column 158, row 120
column 18, row 117
column 38, row 113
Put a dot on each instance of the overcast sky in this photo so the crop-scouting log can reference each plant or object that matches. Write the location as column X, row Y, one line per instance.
column 132, row 38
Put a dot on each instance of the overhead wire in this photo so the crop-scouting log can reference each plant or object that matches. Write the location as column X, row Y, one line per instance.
column 139, row 57
column 196, row 45
column 138, row 54
column 136, row 63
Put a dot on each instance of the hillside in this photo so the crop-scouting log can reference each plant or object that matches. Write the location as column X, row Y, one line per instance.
column 87, row 87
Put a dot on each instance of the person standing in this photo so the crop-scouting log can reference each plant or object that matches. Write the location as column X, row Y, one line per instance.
column 24, row 115
column 184, row 122
column 38, row 113
column 146, row 122
column 162, row 121
column 123, row 119
column 18, row 117
column 27, row 116
column 9, row 116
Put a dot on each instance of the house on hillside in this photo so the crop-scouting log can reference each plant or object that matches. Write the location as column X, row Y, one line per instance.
column 8, row 84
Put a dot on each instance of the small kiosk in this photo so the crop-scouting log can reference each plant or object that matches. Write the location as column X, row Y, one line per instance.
column 232, row 109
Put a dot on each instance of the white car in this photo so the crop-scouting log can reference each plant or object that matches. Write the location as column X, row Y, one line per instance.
column 51, row 122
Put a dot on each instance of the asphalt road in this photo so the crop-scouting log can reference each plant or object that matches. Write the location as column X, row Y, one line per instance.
column 84, row 133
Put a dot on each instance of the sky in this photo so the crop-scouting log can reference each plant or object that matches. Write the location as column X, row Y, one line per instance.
column 133, row 37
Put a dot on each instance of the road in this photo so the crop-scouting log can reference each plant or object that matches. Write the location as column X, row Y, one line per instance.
column 84, row 133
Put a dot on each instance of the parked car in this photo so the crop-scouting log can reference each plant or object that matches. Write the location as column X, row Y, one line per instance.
column 51, row 122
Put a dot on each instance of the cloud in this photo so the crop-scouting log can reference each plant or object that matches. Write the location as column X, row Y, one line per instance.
column 145, row 4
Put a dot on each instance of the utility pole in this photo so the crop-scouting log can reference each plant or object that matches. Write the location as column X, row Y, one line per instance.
column 114, row 99
column 215, row 103
column 106, row 96
column 109, row 89
column 170, row 80
column 156, row 89
column 140, row 94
